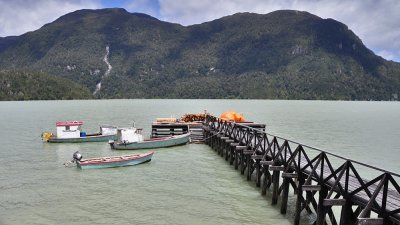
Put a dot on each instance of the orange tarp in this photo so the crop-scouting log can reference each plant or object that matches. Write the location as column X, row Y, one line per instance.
column 232, row 116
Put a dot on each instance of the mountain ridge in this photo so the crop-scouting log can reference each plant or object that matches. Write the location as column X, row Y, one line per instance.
column 284, row 54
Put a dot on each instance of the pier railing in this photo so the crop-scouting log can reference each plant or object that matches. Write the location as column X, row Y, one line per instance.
column 337, row 180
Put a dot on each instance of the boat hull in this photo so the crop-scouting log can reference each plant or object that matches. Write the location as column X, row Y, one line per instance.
column 153, row 143
column 143, row 158
column 97, row 138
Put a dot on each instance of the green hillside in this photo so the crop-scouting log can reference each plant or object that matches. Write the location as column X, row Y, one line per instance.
column 23, row 85
column 281, row 55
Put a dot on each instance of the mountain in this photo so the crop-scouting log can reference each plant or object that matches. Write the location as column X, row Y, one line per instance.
column 284, row 54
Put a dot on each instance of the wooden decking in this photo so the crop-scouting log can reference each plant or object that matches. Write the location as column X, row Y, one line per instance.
column 266, row 158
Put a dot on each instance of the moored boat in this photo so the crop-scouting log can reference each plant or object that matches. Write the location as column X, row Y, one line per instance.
column 70, row 132
column 131, row 139
column 111, row 161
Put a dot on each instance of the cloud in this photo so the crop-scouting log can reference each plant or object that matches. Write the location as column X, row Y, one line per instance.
column 386, row 54
column 150, row 7
column 19, row 16
column 375, row 22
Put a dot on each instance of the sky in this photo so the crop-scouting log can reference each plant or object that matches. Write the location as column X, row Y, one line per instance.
column 376, row 22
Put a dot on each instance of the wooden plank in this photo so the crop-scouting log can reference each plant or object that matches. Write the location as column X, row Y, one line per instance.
column 331, row 202
column 311, row 187
column 248, row 152
column 276, row 168
column 257, row 156
column 267, row 163
column 241, row 147
column 369, row 221
column 289, row 175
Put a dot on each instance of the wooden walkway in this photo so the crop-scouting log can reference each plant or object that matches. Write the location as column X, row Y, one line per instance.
column 319, row 186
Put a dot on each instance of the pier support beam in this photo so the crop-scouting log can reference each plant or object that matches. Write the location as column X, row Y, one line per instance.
column 299, row 200
column 267, row 176
column 346, row 215
column 257, row 167
column 232, row 152
column 249, row 162
column 238, row 152
column 275, row 188
column 322, row 209
column 285, row 190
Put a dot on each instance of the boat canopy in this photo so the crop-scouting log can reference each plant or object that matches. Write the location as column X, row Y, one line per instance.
column 69, row 123
column 128, row 135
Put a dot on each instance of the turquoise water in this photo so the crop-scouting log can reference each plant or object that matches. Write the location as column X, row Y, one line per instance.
column 181, row 185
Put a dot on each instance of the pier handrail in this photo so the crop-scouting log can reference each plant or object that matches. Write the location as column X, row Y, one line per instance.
column 314, row 148
column 254, row 148
column 320, row 150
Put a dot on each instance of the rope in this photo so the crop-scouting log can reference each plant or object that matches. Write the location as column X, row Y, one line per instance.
column 68, row 163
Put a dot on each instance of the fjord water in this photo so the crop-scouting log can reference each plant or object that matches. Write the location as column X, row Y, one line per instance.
column 181, row 185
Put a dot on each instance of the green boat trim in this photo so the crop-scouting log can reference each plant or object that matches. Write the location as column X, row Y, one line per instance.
column 88, row 138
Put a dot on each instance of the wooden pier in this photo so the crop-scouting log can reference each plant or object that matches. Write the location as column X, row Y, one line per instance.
column 188, row 123
column 170, row 129
column 311, row 173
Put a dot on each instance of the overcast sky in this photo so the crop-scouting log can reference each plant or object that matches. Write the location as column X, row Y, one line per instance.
column 376, row 22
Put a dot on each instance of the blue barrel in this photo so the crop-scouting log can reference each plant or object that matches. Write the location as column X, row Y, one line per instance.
column 83, row 134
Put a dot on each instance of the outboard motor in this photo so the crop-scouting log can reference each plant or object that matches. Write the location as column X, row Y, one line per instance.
column 77, row 156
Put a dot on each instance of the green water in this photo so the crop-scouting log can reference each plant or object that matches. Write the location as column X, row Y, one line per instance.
column 181, row 185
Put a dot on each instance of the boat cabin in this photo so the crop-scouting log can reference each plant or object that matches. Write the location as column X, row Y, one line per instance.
column 108, row 130
column 70, row 129
column 129, row 135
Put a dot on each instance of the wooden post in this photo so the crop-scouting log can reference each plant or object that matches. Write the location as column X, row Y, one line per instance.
column 232, row 148
column 222, row 145
column 285, row 193
column 242, row 162
column 258, row 171
column 248, row 165
column 236, row 158
column 287, row 177
column 211, row 141
column 346, row 215
column 322, row 209
column 238, row 151
column 266, row 178
column 227, row 148
column 299, row 199
column 275, row 177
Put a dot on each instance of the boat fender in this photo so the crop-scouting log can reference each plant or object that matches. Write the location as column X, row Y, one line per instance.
column 77, row 156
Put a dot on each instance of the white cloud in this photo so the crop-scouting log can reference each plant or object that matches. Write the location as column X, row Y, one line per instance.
column 149, row 7
column 19, row 16
column 386, row 54
column 377, row 23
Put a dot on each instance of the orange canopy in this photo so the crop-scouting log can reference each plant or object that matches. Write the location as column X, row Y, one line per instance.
column 232, row 116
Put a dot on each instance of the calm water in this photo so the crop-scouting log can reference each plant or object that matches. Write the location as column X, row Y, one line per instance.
column 181, row 185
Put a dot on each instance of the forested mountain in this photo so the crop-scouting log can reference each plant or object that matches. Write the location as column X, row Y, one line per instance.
column 284, row 54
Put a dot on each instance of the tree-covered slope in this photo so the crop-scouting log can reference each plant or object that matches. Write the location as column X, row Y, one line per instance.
column 24, row 85
column 284, row 54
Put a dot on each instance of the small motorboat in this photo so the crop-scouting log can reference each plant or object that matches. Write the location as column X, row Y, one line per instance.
column 111, row 161
column 131, row 139
column 70, row 132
